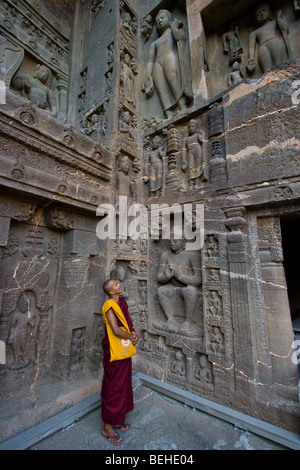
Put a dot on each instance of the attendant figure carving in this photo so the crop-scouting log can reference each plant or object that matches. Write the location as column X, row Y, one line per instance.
column 36, row 89
column 147, row 27
column 204, row 373
column 270, row 46
column 192, row 155
column 236, row 75
column 232, row 44
column 154, row 168
column 124, row 183
column 178, row 366
column 168, row 65
column 127, row 79
column 18, row 332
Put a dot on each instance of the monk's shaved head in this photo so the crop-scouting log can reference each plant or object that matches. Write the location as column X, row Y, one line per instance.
column 107, row 286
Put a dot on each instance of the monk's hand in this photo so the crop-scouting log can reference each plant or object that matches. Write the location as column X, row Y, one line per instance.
column 135, row 338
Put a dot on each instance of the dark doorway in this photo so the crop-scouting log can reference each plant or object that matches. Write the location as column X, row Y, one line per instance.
column 290, row 230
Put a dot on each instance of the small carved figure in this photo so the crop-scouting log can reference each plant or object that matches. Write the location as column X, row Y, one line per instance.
column 125, row 125
column 127, row 79
column 143, row 292
column 212, row 247
column 216, row 340
column 125, row 185
column 167, row 66
column 178, row 366
column 232, row 44
column 36, row 90
column 215, row 304
column 128, row 23
column 192, row 155
column 154, row 167
column 120, row 277
column 17, row 337
column 95, row 127
column 147, row 27
column 213, row 276
column 236, row 75
column 146, row 344
column 204, row 373
column 96, row 6
column 179, row 271
column 271, row 50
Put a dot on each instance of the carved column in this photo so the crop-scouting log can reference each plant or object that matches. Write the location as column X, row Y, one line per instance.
column 244, row 354
column 62, row 88
column 217, row 164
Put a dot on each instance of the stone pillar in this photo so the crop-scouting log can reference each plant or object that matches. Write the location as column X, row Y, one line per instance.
column 62, row 88
column 244, row 354
column 217, row 164
column 198, row 51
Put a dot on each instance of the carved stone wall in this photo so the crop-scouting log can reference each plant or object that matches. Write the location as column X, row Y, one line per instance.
column 94, row 111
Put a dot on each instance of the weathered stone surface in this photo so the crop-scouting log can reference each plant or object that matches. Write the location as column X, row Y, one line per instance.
column 216, row 321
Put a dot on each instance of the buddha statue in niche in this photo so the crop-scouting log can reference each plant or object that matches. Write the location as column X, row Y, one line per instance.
column 270, row 45
column 36, row 89
column 167, row 67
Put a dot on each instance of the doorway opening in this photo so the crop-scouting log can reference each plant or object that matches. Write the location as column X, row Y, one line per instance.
column 290, row 232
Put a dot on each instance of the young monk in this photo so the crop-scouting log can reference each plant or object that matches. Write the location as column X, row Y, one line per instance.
column 116, row 392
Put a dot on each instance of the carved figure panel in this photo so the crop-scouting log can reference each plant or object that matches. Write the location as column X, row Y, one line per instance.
column 28, row 269
column 179, row 274
column 193, row 152
column 168, row 65
column 271, row 48
column 37, row 88
column 154, row 167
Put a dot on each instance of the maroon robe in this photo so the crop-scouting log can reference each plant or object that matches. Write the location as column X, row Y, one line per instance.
column 116, row 391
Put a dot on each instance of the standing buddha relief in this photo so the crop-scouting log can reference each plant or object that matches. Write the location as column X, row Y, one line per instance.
column 153, row 168
column 167, row 70
column 127, row 78
column 271, row 47
column 193, row 155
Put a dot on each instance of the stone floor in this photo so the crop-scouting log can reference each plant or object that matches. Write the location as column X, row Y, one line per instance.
column 157, row 423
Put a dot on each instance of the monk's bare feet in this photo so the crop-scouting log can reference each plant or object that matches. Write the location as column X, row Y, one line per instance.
column 112, row 436
column 123, row 427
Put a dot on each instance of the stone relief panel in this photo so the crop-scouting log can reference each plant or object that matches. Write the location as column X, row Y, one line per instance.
column 29, row 34
column 180, row 279
column 37, row 88
column 29, row 265
column 179, row 158
column 167, row 65
column 249, row 43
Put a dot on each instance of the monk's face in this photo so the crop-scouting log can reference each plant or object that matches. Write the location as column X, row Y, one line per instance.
column 115, row 288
